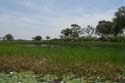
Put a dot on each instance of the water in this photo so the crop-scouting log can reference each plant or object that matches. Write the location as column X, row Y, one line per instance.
column 61, row 46
column 43, row 45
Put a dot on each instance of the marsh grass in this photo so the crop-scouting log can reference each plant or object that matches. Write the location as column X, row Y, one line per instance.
column 105, row 59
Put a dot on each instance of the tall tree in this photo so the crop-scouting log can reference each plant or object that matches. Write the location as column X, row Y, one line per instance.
column 66, row 33
column 9, row 37
column 119, row 21
column 104, row 28
column 76, row 29
column 47, row 37
column 89, row 30
column 62, row 37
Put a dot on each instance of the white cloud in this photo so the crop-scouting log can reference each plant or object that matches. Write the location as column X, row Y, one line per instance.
column 45, row 20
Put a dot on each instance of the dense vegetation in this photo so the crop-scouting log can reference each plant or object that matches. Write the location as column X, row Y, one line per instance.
column 58, row 58
column 106, row 30
column 91, row 51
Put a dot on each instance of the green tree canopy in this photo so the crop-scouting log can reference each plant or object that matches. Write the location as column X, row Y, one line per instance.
column 104, row 28
column 47, row 37
column 66, row 33
column 76, row 29
column 37, row 38
column 9, row 37
column 119, row 21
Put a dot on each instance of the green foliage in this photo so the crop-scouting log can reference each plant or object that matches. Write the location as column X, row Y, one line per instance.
column 47, row 37
column 9, row 37
column 72, row 33
column 29, row 77
column 60, row 57
column 104, row 28
column 37, row 38
column 66, row 33
column 119, row 21
column 17, row 78
column 118, row 39
column 76, row 29
column 88, row 38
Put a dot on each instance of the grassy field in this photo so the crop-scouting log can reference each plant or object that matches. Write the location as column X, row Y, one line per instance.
column 104, row 59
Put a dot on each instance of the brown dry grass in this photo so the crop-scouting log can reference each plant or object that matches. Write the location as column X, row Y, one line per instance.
column 43, row 66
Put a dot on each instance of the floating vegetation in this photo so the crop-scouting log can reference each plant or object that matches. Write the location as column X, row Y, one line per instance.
column 28, row 77
column 66, row 63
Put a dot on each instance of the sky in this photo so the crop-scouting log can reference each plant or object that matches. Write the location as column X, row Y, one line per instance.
column 25, row 19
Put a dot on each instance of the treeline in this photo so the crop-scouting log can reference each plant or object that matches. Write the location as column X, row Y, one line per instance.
column 104, row 31
column 10, row 37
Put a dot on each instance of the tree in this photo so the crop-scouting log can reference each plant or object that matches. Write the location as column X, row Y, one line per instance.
column 66, row 33
column 3, row 38
column 89, row 30
column 119, row 21
column 37, row 38
column 104, row 28
column 76, row 29
column 61, row 37
column 47, row 37
column 9, row 37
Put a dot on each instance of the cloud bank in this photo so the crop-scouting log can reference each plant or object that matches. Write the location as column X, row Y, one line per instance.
column 28, row 18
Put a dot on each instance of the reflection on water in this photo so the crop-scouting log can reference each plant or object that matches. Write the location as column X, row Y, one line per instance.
column 43, row 45
column 60, row 46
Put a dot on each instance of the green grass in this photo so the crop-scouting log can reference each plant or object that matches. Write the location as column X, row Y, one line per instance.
column 65, row 54
column 81, row 58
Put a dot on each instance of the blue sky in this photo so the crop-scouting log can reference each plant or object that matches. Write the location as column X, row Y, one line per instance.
column 27, row 18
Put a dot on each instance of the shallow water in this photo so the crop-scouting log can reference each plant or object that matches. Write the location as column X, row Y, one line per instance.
column 43, row 45
column 61, row 46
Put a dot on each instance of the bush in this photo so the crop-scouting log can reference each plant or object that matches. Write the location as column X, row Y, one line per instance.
column 87, row 39
column 118, row 39
column 37, row 38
